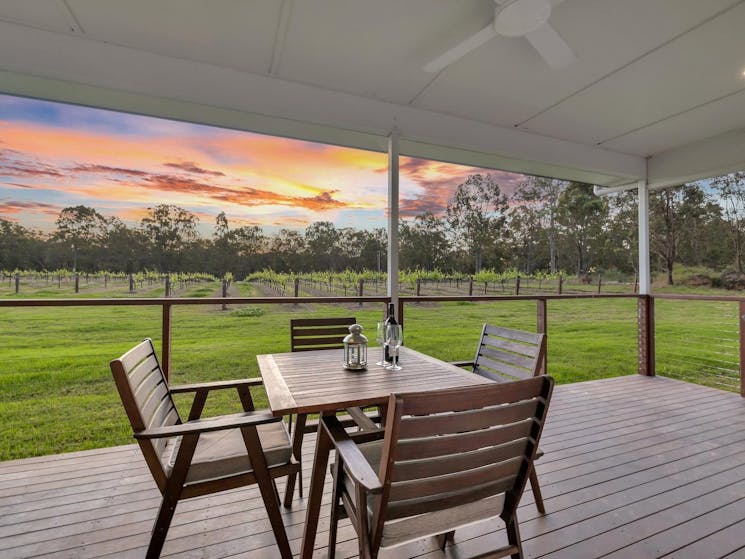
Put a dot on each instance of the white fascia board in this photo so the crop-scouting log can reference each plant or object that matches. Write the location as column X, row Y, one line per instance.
column 705, row 159
column 70, row 68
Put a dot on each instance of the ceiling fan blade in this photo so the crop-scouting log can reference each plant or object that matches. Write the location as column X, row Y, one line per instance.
column 552, row 48
column 460, row 50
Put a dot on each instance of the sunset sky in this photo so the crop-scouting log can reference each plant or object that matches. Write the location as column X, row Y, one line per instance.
column 54, row 155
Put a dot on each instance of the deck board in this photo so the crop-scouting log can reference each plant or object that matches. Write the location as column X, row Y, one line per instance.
column 635, row 467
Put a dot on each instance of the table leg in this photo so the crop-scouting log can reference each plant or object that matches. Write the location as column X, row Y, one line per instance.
column 320, row 463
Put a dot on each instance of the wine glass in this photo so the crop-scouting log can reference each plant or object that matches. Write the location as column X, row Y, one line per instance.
column 380, row 338
column 394, row 340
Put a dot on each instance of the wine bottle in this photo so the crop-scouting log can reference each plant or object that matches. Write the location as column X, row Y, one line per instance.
column 389, row 321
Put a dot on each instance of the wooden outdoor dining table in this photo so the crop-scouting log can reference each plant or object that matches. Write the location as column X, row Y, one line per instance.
column 316, row 382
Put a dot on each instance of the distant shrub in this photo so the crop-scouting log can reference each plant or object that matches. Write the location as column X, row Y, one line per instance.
column 248, row 311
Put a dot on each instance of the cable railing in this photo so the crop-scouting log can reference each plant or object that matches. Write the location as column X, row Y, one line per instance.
column 56, row 351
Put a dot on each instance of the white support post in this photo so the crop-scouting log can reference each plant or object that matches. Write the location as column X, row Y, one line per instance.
column 643, row 218
column 393, row 217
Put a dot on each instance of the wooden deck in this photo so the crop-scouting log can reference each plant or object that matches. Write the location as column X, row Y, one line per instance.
column 635, row 467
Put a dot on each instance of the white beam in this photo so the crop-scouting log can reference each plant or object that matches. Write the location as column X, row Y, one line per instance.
column 81, row 67
column 643, row 218
column 392, row 283
column 704, row 159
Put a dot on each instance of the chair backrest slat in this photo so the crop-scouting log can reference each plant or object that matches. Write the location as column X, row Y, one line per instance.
column 510, row 333
column 135, row 356
column 147, row 400
column 144, row 388
column 506, row 355
column 402, row 509
column 307, row 334
column 455, row 481
column 416, row 469
column 447, row 448
column 471, row 420
column 429, row 447
column 143, row 370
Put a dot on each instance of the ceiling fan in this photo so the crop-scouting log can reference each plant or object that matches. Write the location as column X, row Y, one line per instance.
column 515, row 18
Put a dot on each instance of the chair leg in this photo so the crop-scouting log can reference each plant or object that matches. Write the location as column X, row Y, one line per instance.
column 297, row 451
column 536, row 491
column 160, row 528
column 447, row 538
column 513, row 537
column 267, row 488
column 333, row 524
column 336, row 505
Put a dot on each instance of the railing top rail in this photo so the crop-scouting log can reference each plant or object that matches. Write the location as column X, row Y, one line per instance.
column 160, row 301
column 725, row 298
column 443, row 298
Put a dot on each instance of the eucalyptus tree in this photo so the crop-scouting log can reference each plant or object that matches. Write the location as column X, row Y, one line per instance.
column 322, row 245
column 424, row 243
column 170, row 230
column 476, row 215
column 731, row 191
column 582, row 217
column 80, row 230
column 287, row 251
column 540, row 196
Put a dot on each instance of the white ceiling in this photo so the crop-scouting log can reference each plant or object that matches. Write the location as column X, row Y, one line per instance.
column 657, row 85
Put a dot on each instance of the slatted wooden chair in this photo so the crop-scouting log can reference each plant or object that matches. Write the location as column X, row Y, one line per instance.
column 448, row 458
column 308, row 334
column 201, row 456
column 505, row 355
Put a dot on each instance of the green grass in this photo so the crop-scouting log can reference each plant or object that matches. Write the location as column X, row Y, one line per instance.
column 57, row 394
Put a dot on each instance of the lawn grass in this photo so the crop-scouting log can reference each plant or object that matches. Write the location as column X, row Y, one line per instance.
column 57, row 394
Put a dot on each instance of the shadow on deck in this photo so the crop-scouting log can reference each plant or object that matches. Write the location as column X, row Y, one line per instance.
column 635, row 467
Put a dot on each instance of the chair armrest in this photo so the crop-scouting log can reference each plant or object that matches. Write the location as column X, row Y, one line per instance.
column 462, row 363
column 217, row 385
column 233, row 421
column 347, row 451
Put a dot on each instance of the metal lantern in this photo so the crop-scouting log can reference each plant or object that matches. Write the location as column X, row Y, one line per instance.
column 355, row 349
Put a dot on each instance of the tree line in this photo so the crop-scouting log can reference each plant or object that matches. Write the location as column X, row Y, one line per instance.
column 546, row 225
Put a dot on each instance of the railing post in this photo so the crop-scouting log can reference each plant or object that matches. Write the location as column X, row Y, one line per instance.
column 18, row 283
column 165, row 361
column 470, row 286
column 362, row 288
column 401, row 312
column 742, row 348
column 645, row 329
column 77, row 283
column 517, row 285
column 561, row 283
column 225, row 291
column 541, row 327
column 168, row 285
column 131, row 284
column 418, row 287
